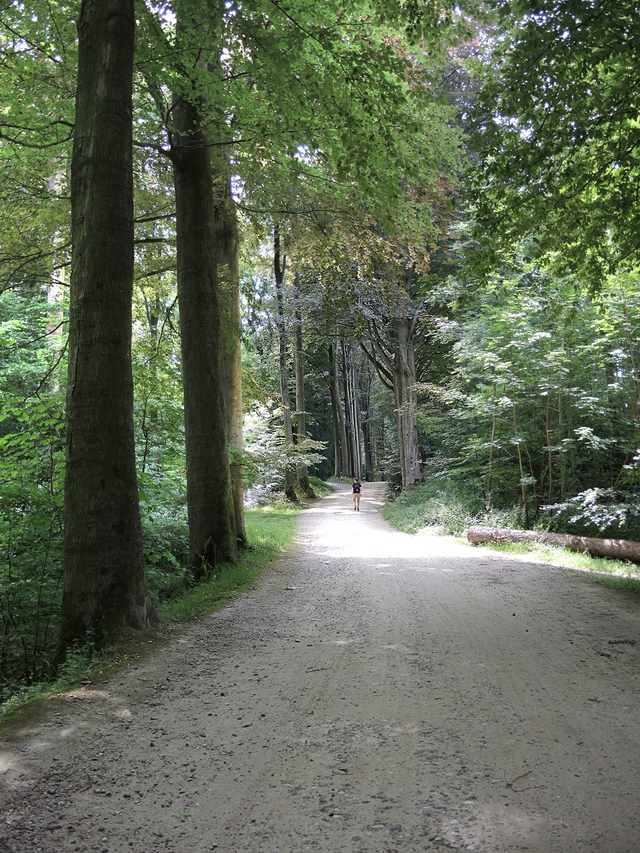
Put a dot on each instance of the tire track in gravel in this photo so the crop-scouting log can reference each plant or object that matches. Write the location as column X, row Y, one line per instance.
column 375, row 693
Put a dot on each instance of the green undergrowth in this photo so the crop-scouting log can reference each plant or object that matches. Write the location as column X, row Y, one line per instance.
column 269, row 530
column 443, row 508
column 320, row 487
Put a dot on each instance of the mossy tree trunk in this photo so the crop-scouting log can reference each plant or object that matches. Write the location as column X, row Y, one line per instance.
column 104, row 583
column 228, row 252
column 212, row 536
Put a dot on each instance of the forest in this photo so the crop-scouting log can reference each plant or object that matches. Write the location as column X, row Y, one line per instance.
column 246, row 243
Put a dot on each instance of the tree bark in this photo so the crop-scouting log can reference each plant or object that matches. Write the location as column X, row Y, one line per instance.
column 301, row 421
column 104, row 584
column 212, row 537
column 365, row 408
column 394, row 361
column 339, row 428
column 406, row 399
column 279, row 267
column 618, row 549
column 228, row 258
column 353, row 376
column 228, row 250
column 351, row 424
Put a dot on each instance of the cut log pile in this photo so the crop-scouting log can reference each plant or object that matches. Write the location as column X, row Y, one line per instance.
column 617, row 549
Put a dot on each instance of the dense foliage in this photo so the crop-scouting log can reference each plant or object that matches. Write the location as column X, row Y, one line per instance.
column 31, row 479
column 540, row 409
column 557, row 126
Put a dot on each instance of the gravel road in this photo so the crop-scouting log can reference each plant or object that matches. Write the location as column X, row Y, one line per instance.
column 375, row 693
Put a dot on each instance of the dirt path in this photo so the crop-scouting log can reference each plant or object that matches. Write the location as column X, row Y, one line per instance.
column 376, row 692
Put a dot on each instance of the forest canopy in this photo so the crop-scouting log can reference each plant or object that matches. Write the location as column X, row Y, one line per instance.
column 396, row 241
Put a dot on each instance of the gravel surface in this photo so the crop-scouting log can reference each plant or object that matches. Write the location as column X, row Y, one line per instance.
column 375, row 692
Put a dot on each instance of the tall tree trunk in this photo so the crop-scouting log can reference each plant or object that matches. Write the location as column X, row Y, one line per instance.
column 228, row 246
column 228, row 251
column 104, row 584
column 350, row 376
column 350, row 458
column 339, row 428
column 301, row 421
column 365, row 405
column 153, row 307
column 492, row 444
column 335, row 402
column 212, row 537
column 394, row 360
column 548, row 439
column 406, row 399
column 354, row 402
column 523, row 485
column 279, row 268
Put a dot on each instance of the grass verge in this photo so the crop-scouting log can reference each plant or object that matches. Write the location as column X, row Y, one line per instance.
column 614, row 574
column 320, row 487
column 269, row 530
column 444, row 509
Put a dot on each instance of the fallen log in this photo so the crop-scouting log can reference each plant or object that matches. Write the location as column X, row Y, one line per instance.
column 616, row 549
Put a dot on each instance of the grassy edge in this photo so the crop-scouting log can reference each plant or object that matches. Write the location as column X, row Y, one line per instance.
column 319, row 486
column 270, row 529
column 615, row 574
column 438, row 507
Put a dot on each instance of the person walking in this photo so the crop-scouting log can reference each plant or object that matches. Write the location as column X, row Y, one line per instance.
column 356, row 488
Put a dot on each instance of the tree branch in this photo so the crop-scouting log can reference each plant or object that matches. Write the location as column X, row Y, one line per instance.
column 385, row 377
